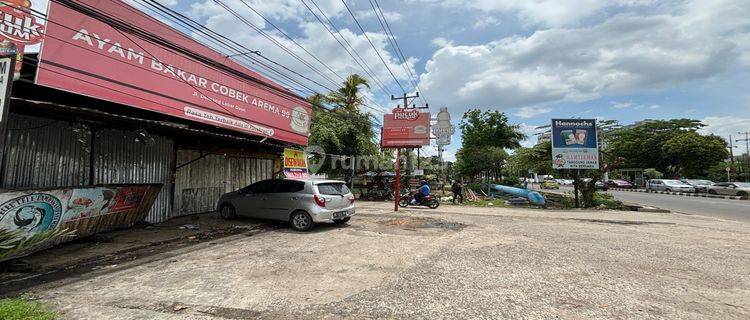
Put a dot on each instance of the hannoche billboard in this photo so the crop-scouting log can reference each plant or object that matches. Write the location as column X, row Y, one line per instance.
column 574, row 144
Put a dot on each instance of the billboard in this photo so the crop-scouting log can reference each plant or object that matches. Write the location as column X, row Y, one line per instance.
column 574, row 144
column 83, row 55
column 20, row 27
column 405, row 128
column 443, row 129
column 295, row 164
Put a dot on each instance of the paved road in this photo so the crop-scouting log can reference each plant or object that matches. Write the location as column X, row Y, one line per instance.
column 450, row 263
column 738, row 210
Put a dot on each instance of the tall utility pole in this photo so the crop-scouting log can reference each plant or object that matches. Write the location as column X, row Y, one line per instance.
column 406, row 98
column 731, row 150
column 747, row 151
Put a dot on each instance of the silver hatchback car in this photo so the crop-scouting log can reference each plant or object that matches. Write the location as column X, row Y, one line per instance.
column 302, row 203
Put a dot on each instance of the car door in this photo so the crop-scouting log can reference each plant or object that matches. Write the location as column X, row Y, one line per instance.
column 286, row 198
column 731, row 190
column 721, row 188
column 253, row 200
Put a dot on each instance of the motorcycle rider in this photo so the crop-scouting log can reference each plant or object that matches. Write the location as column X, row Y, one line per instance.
column 422, row 192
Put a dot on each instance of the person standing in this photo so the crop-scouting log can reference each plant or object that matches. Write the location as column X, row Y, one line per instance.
column 457, row 189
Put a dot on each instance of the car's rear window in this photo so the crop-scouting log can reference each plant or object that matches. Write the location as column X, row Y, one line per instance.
column 333, row 189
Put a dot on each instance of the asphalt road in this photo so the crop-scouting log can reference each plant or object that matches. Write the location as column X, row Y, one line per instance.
column 737, row 210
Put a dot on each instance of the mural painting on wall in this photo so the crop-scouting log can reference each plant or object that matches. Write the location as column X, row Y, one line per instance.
column 72, row 212
column 34, row 212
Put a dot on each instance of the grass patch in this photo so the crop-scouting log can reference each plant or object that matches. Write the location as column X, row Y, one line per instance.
column 23, row 309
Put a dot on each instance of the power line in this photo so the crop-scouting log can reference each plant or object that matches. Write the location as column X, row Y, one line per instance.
column 373, row 46
column 203, row 29
column 415, row 80
column 276, row 42
column 368, row 70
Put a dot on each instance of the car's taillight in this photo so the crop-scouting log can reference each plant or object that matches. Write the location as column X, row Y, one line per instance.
column 320, row 201
column 351, row 199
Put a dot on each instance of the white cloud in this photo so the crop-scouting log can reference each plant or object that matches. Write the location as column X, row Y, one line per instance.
column 621, row 105
column 530, row 112
column 390, row 16
column 624, row 54
column 486, row 21
column 441, row 42
column 724, row 126
column 554, row 13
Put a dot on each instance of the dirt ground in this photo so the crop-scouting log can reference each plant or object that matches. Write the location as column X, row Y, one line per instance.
column 450, row 263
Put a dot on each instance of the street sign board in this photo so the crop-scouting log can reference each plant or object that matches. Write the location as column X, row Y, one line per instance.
column 443, row 129
column 295, row 164
column 574, row 144
column 20, row 27
column 405, row 128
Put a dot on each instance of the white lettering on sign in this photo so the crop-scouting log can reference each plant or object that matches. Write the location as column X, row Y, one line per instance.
column 116, row 49
column 19, row 26
column 409, row 115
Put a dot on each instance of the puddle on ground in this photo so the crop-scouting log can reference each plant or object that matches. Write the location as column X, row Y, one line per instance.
column 414, row 223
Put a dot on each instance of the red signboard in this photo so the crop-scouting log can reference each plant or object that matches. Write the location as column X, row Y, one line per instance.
column 406, row 128
column 19, row 26
column 90, row 57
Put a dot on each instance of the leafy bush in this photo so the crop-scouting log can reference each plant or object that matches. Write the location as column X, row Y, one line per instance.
column 511, row 181
column 607, row 200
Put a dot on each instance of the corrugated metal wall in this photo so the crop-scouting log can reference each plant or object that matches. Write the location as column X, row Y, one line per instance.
column 45, row 153
column 128, row 157
column 199, row 184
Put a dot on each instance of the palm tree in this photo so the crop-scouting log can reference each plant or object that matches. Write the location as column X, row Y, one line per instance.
column 347, row 96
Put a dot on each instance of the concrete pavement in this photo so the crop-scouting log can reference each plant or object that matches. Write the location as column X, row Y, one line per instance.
column 451, row 263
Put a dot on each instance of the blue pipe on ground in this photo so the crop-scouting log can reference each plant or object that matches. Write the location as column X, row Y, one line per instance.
column 533, row 196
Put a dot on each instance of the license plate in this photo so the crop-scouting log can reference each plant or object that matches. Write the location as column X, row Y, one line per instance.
column 340, row 214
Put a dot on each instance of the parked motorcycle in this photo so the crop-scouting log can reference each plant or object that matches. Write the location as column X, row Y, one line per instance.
column 378, row 194
column 408, row 199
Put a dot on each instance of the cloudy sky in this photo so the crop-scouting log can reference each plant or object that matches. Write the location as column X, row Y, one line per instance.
column 534, row 60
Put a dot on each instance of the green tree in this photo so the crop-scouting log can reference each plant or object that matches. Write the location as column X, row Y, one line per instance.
column 693, row 154
column 348, row 97
column 669, row 146
column 343, row 130
column 489, row 129
column 485, row 136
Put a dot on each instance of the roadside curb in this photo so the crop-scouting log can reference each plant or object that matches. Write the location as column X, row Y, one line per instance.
column 686, row 194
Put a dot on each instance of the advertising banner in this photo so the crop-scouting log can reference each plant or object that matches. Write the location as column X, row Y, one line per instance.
column 84, row 55
column 19, row 27
column 295, row 164
column 405, row 128
column 574, row 144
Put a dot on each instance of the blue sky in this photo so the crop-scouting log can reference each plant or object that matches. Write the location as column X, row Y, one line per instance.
column 626, row 60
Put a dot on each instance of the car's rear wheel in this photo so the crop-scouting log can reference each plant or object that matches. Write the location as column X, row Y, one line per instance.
column 742, row 194
column 711, row 191
column 301, row 221
column 342, row 221
column 227, row 211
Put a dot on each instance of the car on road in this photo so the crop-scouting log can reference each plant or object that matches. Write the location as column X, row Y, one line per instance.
column 597, row 185
column 549, row 184
column 619, row 183
column 302, row 203
column 699, row 184
column 668, row 185
column 741, row 189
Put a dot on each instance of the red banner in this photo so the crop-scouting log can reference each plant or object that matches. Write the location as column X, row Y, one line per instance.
column 405, row 128
column 19, row 26
column 84, row 55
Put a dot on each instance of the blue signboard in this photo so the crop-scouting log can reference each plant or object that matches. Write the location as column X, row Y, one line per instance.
column 574, row 144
